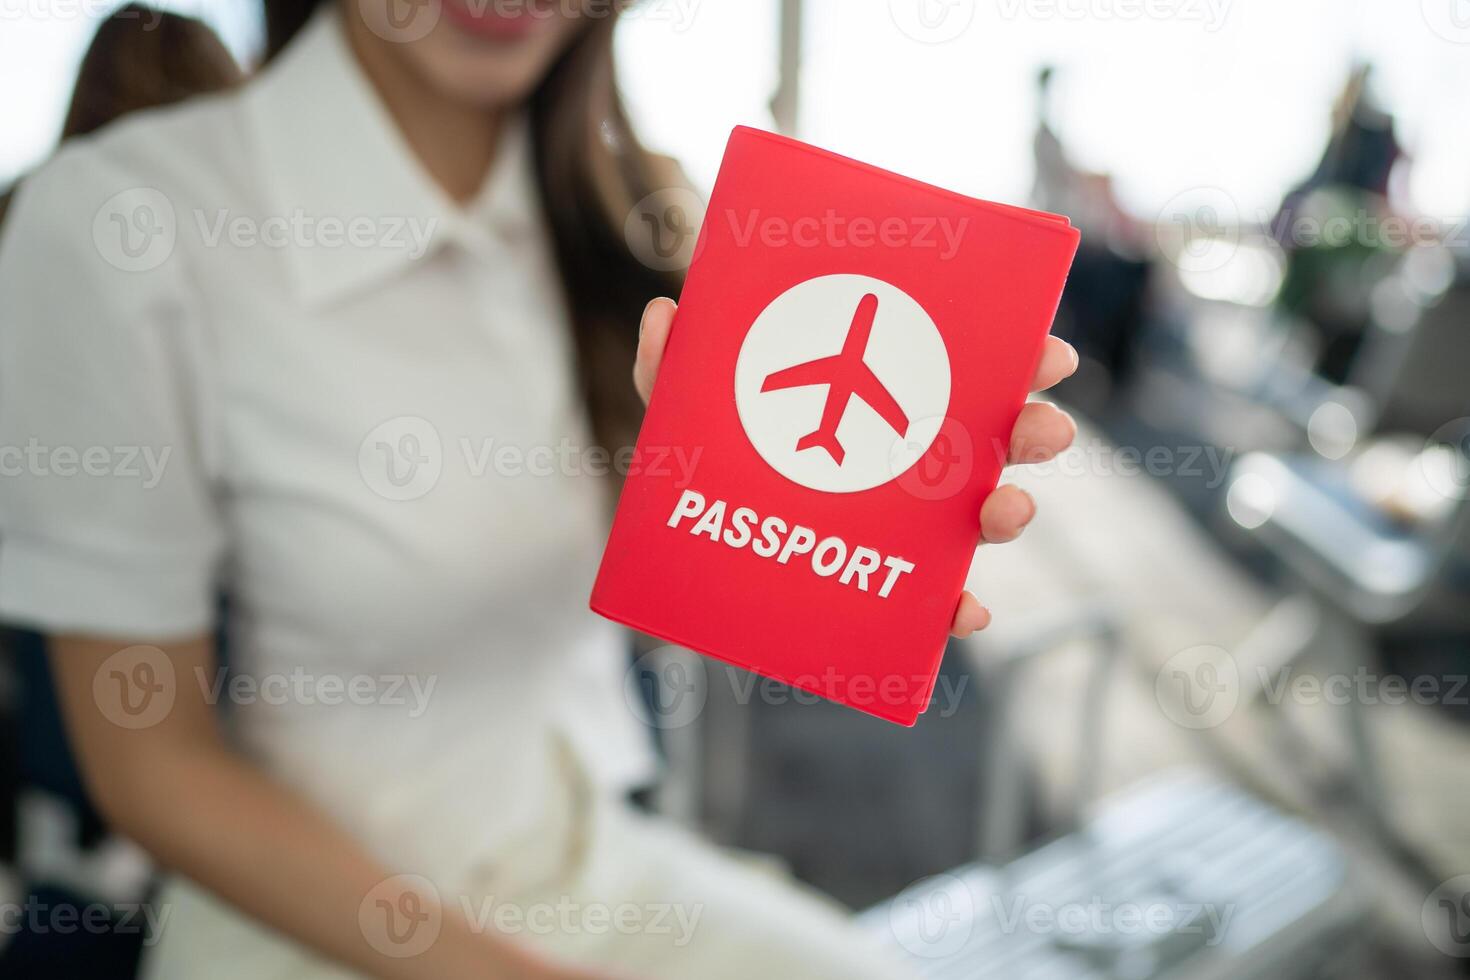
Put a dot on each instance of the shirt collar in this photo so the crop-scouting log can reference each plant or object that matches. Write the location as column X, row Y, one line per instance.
column 332, row 155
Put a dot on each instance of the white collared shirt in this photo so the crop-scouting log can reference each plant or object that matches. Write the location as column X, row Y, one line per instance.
column 248, row 347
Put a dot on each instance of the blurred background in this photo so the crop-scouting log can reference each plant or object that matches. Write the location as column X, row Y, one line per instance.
column 1229, row 680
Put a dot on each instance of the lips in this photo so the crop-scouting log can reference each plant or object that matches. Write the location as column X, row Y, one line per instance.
column 504, row 20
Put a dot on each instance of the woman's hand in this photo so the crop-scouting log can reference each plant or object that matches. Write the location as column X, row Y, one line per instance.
column 1042, row 431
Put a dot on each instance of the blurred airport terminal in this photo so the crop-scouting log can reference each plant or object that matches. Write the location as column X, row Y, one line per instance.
column 1221, row 724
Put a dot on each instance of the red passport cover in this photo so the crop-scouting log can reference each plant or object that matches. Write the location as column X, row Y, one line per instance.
column 850, row 353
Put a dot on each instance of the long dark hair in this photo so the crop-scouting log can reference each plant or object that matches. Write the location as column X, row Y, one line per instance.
column 138, row 59
column 142, row 58
column 591, row 171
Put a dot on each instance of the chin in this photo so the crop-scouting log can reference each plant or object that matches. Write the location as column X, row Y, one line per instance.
column 488, row 82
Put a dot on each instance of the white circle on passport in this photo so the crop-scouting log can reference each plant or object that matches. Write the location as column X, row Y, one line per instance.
column 859, row 332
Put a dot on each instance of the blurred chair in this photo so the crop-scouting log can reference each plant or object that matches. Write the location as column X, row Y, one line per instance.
column 1413, row 364
column 1179, row 877
column 1362, row 570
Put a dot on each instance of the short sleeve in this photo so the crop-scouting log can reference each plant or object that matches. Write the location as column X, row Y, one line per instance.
column 108, row 520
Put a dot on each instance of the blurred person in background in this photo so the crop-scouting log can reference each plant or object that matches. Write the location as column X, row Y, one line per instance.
column 169, row 293
column 1103, row 308
column 1329, row 280
column 140, row 59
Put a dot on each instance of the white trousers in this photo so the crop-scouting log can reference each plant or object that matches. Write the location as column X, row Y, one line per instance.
column 595, row 884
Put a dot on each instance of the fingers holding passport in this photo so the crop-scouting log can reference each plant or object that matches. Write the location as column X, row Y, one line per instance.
column 1041, row 432
column 653, row 335
column 969, row 616
column 1058, row 363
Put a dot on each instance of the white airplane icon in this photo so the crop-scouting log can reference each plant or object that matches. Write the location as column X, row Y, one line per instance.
column 846, row 375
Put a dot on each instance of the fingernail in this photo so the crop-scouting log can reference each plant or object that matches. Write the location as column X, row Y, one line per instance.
column 644, row 317
column 1076, row 357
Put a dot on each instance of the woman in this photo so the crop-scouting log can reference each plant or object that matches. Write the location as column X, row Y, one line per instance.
column 275, row 345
